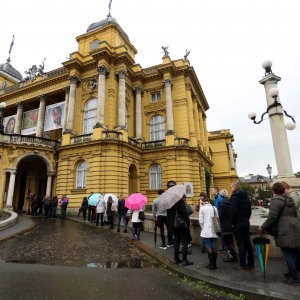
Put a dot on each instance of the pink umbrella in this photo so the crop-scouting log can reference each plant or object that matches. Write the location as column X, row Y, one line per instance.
column 135, row 201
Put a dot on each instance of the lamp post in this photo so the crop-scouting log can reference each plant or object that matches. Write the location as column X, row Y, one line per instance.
column 2, row 107
column 269, row 170
column 276, row 115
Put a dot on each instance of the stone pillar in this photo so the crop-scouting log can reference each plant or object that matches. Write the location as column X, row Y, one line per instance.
column 49, row 185
column 138, row 112
column 205, row 133
column 41, row 117
column 191, row 120
column 201, row 128
column 67, row 93
column 103, row 71
column 19, row 118
column 169, row 106
column 278, row 130
column 71, row 106
column 197, row 121
column 11, row 188
column 231, row 156
column 122, row 100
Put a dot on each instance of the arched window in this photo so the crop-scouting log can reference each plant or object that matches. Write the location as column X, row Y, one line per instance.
column 155, row 175
column 81, row 175
column 157, row 128
column 89, row 116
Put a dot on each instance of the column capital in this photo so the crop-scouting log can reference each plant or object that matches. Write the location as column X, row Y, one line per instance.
column 138, row 90
column 19, row 104
column 42, row 98
column 74, row 79
column 122, row 74
column 67, row 89
column 168, row 82
column 102, row 70
column 189, row 86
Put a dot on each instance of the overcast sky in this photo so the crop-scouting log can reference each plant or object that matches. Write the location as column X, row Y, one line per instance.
column 228, row 41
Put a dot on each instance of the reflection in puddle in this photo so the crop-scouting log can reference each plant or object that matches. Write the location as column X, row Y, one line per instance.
column 122, row 264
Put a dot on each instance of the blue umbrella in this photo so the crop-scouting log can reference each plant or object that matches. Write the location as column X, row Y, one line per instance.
column 94, row 199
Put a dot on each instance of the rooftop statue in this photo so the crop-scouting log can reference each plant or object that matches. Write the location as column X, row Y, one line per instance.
column 34, row 71
column 165, row 49
column 187, row 53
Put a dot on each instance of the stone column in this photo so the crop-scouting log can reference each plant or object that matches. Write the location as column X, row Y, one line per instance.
column 197, row 121
column 49, row 185
column 19, row 118
column 41, row 117
column 71, row 106
column 201, row 128
column 122, row 100
column 205, row 133
column 11, row 188
column 103, row 71
column 231, row 156
column 138, row 112
column 278, row 130
column 67, row 94
column 169, row 106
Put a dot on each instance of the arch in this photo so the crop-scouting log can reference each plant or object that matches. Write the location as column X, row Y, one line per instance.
column 133, row 183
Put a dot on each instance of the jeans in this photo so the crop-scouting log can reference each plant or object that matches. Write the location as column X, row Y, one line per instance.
column 289, row 255
column 53, row 211
column 99, row 215
column 162, row 222
column 63, row 212
column 228, row 240
column 210, row 243
column 121, row 216
column 242, row 237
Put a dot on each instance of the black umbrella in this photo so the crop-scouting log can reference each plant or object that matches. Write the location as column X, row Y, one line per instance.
column 155, row 231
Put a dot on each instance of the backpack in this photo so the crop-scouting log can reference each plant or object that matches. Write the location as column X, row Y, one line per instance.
column 141, row 215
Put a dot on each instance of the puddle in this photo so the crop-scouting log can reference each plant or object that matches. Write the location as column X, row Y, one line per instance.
column 122, row 264
column 22, row 261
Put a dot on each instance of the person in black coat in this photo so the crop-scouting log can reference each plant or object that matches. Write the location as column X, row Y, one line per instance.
column 181, row 235
column 240, row 216
column 224, row 210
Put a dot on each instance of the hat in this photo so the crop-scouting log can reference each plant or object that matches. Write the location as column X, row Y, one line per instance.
column 171, row 183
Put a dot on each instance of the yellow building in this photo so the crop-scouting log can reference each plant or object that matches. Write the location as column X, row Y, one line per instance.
column 224, row 158
column 103, row 123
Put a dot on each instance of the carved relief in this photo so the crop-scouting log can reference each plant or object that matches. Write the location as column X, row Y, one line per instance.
column 159, row 106
column 89, row 85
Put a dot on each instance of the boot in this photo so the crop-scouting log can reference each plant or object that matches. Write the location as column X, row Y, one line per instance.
column 212, row 265
column 215, row 255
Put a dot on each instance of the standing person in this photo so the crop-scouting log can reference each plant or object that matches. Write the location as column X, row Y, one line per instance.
column 110, row 211
column 122, row 212
column 29, row 200
column 206, row 213
column 64, row 202
column 161, row 218
column 171, row 216
column 53, row 206
column 283, row 214
column 46, row 205
column 100, row 209
column 34, row 205
column 136, row 224
column 198, row 207
column 225, row 220
column 89, row 208
column 240, row 216
column 83, row 208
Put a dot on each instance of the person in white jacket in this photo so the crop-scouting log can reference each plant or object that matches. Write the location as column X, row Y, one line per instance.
column 136, row 223
column 100, row 209
column 208, row 233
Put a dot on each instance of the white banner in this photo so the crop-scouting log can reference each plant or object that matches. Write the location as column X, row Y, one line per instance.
column 54, row 116
column 9, row 124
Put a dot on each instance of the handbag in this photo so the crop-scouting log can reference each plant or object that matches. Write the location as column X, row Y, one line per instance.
column 216, row 223
column 189, row 210
column 141, row 215
column 179, row 221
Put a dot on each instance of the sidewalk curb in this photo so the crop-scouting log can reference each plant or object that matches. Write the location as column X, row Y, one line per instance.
column 184, row 272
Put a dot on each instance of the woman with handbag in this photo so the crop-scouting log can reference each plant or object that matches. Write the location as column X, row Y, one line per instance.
column 283, row 218
column 208, row 233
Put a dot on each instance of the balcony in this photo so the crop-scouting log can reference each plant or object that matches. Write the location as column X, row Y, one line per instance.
column 81, row 138
column 153, row 145
column 182, row 142
column 112, row 135
column 28, row 140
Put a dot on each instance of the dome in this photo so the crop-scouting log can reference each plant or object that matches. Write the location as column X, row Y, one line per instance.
column 7, row 68
column 108, row 20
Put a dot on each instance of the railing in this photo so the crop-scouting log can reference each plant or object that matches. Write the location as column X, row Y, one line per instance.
column 112, row 135
column 81, row 138
column 182, row 142
column 153, row 145
column 134, row 142
column 29, row 140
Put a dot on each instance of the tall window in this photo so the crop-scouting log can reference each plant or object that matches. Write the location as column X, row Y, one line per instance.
column 89, row 116
column 155, row 175
column 155, row 96
column 157, row 128
column 94, row 45
column 81, row 175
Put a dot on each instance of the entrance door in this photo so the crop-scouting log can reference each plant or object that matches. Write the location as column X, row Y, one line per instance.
column 133, row 180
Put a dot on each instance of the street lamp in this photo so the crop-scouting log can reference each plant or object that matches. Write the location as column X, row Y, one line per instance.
column 2, row 107
column 276, row 117
column 269, row 170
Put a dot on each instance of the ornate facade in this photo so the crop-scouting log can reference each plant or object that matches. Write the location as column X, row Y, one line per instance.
column 119, row 128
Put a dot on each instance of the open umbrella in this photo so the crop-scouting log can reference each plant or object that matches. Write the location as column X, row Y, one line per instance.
column 171, row 196
column 135, row 201
column 262, row 247
column 94, row 199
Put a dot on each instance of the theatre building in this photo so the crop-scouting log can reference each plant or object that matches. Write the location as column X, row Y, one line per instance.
column 103, row 123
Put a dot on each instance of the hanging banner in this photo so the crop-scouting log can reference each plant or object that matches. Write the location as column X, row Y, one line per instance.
column 54, row 116
column 9, row 124
column 29, row 121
